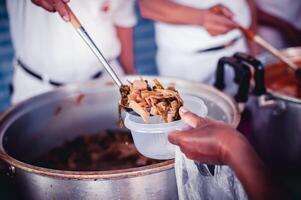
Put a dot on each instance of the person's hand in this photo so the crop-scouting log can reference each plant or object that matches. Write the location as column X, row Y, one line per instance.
column 213, row 142
column 54, row 6
column 218, row 20
column 208, row 141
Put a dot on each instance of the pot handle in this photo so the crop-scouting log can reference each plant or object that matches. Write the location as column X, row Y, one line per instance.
column 2, row 162
column 269, row 101
column 242, row 77
column 259, row 88
column 8, row 169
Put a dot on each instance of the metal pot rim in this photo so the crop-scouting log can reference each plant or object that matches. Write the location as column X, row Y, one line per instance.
column 284, row 97
column 84, row 175
column 80, row 175
column 113, row 174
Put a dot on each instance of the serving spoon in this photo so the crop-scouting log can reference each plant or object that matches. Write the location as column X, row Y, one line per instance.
column 278, row 54
column 266, row 45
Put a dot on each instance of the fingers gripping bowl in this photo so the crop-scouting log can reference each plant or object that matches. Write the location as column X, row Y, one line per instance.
column 151, row 137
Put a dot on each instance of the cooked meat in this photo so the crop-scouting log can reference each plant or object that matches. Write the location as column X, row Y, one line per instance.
column 109, row 150
column 156, row 100
column 139, row 109
column 139, row 85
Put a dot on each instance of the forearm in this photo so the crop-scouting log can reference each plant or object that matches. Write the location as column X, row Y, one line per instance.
column 289, row 32
column 267, row 19
column 251, row 171
column 253, row 11
column 126, row 57
column 253, row 48
column 169, row 12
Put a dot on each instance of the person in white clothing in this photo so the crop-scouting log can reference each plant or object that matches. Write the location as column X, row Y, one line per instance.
column 49, row 52
column 279, row 22
column 193, row 34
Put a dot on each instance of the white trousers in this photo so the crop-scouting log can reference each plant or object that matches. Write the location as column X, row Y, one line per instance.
column 27, row 86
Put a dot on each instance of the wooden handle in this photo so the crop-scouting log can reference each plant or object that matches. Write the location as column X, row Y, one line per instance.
column 263, row 43
column 73, row 19
column 266, row 45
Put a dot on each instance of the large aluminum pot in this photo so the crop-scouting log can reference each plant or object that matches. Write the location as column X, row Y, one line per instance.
column 43, row 122
column 270, row 117
column 274, row 116
column 276, row 121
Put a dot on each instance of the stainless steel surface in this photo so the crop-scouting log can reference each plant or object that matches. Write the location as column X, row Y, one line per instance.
column 85, row 36
column 41, row 123
column 154, row 186
column 276, row 123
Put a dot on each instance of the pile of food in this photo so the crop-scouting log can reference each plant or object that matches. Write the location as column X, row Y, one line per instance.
column 109, row 150
column 148, row 100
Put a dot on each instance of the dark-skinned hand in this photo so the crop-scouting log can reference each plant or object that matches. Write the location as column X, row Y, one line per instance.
column 208, row 141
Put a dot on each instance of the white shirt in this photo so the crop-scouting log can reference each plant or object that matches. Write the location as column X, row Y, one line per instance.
column 188, row 38
column 179, row 45
column 48, row 45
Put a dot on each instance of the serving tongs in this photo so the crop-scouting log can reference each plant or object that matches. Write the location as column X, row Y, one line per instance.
column 89, row 41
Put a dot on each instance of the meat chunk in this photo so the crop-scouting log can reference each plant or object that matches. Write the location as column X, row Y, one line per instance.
column 156, row 100
column 139, row 85
column 139, row 110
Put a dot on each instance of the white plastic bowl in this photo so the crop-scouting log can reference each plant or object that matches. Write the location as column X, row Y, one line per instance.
column 151, row 138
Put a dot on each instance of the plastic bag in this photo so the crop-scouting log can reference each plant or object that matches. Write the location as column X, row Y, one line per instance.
column 196, row 182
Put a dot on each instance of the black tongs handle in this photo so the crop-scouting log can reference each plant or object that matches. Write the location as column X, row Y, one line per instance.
column 242, row 77
column 259, row 88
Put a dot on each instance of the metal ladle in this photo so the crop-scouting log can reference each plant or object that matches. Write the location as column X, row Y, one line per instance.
column 88, row 40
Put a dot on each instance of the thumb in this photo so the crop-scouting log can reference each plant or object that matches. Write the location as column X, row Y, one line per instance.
column 174, row 137
column 192, row 119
